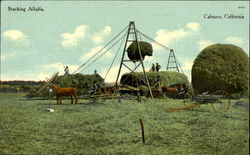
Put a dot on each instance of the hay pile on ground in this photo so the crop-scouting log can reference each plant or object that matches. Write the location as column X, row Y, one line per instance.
column 221, row 66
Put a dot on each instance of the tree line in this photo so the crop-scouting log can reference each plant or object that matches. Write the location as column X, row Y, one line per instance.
column 21, row 82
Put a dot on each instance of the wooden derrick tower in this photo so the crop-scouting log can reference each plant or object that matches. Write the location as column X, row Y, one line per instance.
column 132, row 36
column 173, row 64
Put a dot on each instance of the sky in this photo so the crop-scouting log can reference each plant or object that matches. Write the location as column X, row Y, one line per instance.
column 36, row 44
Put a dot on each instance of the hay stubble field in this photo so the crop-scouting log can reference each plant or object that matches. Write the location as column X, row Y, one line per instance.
column 111, row 127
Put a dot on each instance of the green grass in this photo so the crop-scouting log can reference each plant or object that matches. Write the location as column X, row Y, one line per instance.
column 111, row 127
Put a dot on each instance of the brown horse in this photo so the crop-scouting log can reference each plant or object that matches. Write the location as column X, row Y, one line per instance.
column 69, row 91
column 169, row 90
column 107, row 90
column 174, row 89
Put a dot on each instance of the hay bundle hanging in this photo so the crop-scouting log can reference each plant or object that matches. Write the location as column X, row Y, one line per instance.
column 133, row 51
column 221, row 66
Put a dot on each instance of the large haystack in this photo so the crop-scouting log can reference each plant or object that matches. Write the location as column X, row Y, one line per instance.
column 81, row 81
column 221, row 66
column 167, row 78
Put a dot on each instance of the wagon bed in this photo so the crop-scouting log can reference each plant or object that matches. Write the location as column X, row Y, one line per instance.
column 219, row 100
column 201, row 98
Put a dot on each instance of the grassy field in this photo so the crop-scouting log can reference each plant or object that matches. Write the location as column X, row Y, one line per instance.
column 111, row 127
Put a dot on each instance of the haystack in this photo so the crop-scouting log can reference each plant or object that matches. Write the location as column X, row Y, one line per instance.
column 81, row 81
column 221, row 66
column 167, row 78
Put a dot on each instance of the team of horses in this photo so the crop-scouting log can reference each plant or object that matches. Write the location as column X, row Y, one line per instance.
column 173, row 91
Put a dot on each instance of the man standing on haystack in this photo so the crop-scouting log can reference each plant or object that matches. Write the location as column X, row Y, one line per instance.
column 152, row 68
column 158, row 67
column 66, row 70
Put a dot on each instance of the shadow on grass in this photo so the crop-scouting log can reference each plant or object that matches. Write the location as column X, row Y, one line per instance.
column 79, row 103
column 58, row 104
column 91, row 103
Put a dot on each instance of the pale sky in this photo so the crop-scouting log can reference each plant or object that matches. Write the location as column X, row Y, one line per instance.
column 36, row 44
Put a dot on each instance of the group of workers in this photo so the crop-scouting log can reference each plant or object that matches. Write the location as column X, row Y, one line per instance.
column 155, row 68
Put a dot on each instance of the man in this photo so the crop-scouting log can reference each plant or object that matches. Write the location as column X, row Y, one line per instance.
column 152, row 68
column 94, row 89
column 66, row 70
column 158, row 67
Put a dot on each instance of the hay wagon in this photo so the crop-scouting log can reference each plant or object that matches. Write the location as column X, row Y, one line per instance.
column 112, row 93
column 99, row 96
column 219, row 100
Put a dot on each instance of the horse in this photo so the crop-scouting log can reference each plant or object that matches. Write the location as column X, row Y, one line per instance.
column 69, row 91
column 173, row 89
column 169, row 90
column 107, row 90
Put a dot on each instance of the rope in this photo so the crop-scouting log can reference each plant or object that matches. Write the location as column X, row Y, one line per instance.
column 179, row 65
column 167, row 48
column 154, row 40
column 114, row 58
column 100, row 50
column 102, row 54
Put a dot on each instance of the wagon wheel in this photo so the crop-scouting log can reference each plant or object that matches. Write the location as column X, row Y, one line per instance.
column 189, row 97
column 222, row 101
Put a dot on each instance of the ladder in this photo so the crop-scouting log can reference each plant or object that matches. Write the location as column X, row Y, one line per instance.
column 50, row 80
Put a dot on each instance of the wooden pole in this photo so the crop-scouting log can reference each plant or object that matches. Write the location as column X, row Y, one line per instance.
column 141, row 61
column 124, row 50
column 142, row 131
